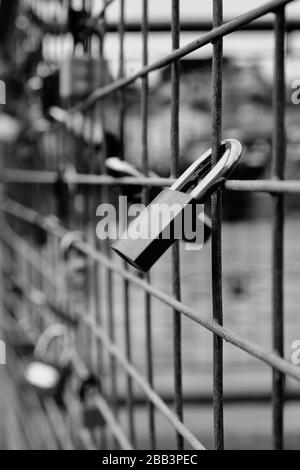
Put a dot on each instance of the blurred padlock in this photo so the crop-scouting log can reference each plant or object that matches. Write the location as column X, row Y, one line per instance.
column 76, row 263
column 176, row 210
column 91, row 415
column 48, row 376
column 80, row 76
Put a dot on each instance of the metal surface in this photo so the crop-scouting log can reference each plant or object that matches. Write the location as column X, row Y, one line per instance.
column 278, row 168
column 94, row 324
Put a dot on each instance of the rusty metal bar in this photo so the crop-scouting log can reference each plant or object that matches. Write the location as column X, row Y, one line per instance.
column 146, row 200
column 217, row 83
column 122, row 116
column 109, row 280
column 104, row 194
column 176, row 283
column 196, row 26
column 126, row 285
column 252, row 186
column 279, row 153
column 121, row 76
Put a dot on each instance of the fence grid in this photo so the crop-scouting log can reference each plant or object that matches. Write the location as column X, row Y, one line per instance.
column 41, row 270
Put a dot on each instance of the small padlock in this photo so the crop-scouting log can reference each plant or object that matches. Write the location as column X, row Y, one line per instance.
column 80, row 76
column 157, row 228
column 47, row 377
column 91, row 416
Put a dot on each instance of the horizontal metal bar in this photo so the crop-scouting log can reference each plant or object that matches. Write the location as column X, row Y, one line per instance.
column 236, row 340
column 265, row 186
column 196, row 26
column 160, row 26
column 39, row 177
column 230, row 398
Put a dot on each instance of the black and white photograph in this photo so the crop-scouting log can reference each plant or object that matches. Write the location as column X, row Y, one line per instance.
column 149, row 228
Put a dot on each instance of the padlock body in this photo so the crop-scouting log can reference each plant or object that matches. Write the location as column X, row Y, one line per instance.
column 156, row 229
column 80, row 76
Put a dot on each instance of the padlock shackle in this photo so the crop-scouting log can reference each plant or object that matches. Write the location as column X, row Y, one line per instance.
column 206, row 186
column 69, row 240
column 48, row 336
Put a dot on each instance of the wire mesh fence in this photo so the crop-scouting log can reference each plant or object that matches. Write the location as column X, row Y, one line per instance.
column 56, row 270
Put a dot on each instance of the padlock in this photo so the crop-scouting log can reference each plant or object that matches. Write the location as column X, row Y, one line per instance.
column 80, row 76
column 155, row 230
column 48, row 377
column 91, row 415
column 76, row 263
column 118, row 168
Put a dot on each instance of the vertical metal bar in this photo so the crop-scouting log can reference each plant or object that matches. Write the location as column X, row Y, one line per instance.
column 103, row 194
column 130, row 399
column 217, row 79
column 175, row 151
column 87, row 205
column 122, row 111
column 121, row 74
column 278, row 168
column 109, row 275
column 145, row 158
column 112, row 335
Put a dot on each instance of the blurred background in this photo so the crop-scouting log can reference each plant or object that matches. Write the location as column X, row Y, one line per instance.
column 37, row 40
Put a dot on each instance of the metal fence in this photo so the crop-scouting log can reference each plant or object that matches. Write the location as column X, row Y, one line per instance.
column 35, row 267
